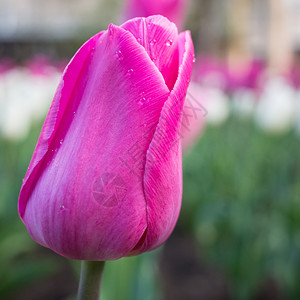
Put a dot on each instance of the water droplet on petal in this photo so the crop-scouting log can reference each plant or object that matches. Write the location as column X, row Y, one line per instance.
column 119, row 55
column 130, row 72
column 74, row 113
column 62, row 207
column 194, row 59
column 61, row 141
column 169, row 43
column 143, row 100
column 153, row 42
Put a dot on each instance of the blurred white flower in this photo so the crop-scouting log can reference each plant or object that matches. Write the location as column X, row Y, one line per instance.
column 275, row 112
column 243, row 103
column 16, row 121
column 42, row 89
column 297, row 112
column 3, row 99
column 217, row 106
column 24, row 99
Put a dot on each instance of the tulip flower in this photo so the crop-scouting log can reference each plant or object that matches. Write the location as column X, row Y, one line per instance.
column 174, row 10
column 105, row 179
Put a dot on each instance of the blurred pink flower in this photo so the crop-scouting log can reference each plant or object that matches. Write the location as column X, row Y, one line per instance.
column 294, row 76
column 247, row 75
column 211, row 72
column 174, row 10
column 217, row 73
column 6, row 64
column 105, row 179
column 40, row 65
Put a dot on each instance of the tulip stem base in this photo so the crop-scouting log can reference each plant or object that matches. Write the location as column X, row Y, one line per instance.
column 90, row 280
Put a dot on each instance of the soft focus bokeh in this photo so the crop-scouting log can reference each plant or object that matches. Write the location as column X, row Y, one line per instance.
column 238, row 236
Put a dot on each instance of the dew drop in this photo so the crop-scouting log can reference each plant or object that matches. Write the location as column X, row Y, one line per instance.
column 152, row 42
column 194, row 59
column 62, row 208
column 130, row 72
column 169, row 43
column 119, row 55
column 143, row 99
column 74, row 113
column 61, row 141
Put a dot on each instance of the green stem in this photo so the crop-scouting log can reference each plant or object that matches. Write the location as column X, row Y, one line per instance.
column 90, row 280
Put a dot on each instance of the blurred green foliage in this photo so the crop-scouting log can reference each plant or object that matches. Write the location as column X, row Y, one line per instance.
column 132, row 278
column 18, row 265
column 240, row 201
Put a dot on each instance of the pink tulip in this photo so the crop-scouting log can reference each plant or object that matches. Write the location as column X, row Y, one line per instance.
column 174, row 10
column 105, row 178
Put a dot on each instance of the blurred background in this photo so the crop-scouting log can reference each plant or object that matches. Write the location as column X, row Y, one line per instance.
column 238, row 234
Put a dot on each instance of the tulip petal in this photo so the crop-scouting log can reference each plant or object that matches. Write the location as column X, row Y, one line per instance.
column 159, row 38
column 83, row 195
column 54, row 117
column 163, row 176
